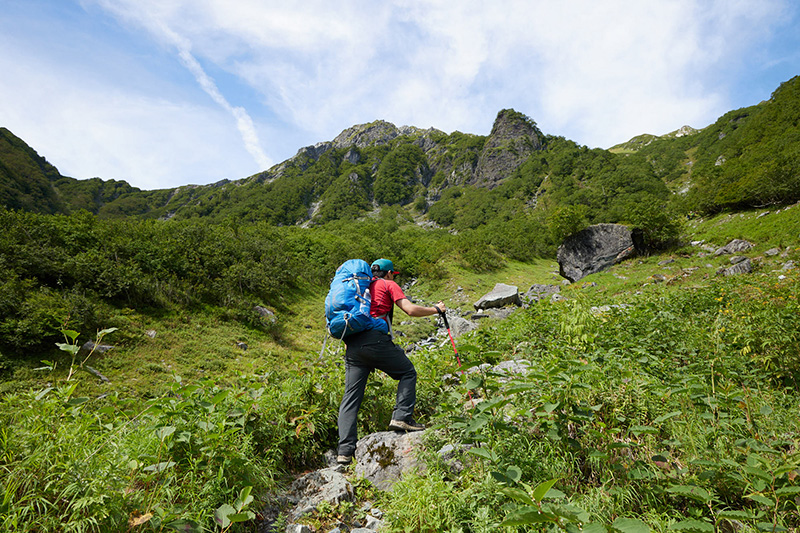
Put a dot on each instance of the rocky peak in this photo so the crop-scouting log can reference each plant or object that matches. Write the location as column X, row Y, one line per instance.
column 363, row 135
column 684, row 131
column 513, row 138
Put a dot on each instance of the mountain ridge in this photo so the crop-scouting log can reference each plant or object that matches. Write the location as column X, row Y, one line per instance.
column 378, row 164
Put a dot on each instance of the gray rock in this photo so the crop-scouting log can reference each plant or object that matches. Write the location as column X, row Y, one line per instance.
column 352, row 156
column 383, row 458
column 376, row 133
column 373, row 523
column 537, row 292
column 744, row 267
column 772, row 252
column 459, row 325
column 737, row 259
column 265, row 313
column 90, row 347
column 594, row 249
column 788, row 265
column 452, row 456
column 511, row 368
column 500, row 296
column 734, row 247
column 326, row 485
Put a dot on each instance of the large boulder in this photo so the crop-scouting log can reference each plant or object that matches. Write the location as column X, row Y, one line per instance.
column 383, row 458
column 594, row 249
column 501, row 296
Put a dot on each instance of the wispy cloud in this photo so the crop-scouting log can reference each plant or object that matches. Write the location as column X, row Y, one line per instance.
column 245, row 84
column 141, row 13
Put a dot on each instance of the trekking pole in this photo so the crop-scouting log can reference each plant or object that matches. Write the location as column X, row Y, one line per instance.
column 455, row 350
column 452, row 341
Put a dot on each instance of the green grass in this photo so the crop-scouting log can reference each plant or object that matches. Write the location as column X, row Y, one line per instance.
column 699, row 370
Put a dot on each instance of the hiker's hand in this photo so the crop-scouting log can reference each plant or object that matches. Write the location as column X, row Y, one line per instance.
column 440, row 308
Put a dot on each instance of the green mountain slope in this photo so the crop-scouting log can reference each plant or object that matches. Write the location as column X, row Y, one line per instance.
column 747, row 158
column 26, row 178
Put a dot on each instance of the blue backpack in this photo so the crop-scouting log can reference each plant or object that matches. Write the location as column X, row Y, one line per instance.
column 348, row 301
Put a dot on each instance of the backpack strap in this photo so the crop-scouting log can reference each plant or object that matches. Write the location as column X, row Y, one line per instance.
column 388, row 316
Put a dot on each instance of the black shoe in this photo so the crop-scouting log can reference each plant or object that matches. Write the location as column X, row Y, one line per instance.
column 344, row 459
column 411, row 425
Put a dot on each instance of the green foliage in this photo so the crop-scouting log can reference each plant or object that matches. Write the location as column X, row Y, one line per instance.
column 655, row 224
column 107, row 467
column 690, row 416
column 566, row 221
column 25, row 177
column 399, row 171
column 750, row 157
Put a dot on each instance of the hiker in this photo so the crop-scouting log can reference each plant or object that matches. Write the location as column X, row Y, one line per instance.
column 373, row 349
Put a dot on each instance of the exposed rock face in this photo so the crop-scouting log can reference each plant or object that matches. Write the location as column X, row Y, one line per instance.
column 514, row 137
column 594, row 249
column 374, row 134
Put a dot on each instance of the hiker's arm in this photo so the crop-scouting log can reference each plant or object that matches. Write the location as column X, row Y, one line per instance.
column 412, row 309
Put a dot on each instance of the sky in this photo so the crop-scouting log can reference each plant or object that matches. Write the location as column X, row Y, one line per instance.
column 164, row 93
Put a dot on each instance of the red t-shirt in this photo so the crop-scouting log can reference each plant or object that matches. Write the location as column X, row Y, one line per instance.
column 384, row 294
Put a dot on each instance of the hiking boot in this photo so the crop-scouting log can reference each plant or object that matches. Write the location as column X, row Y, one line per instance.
column 400, row 425
column 344, row 459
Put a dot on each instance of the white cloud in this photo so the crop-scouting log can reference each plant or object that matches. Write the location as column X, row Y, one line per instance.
column 295, row 73
column 156, row 18
column 93, row 129
column 596, row 72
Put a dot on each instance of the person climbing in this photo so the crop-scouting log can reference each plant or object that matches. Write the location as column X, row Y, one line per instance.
column 373, row 349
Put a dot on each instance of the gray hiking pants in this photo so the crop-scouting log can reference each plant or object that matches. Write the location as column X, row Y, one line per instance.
column 365, row 352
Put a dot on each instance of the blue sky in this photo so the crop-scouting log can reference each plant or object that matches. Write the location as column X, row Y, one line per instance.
column 163, row 93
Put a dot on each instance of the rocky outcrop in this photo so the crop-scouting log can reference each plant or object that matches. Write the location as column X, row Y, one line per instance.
column 734, row 247
column 739, row 267
column 512, row 140
column 375, row 133
column 328, row 485
column 594, row 249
